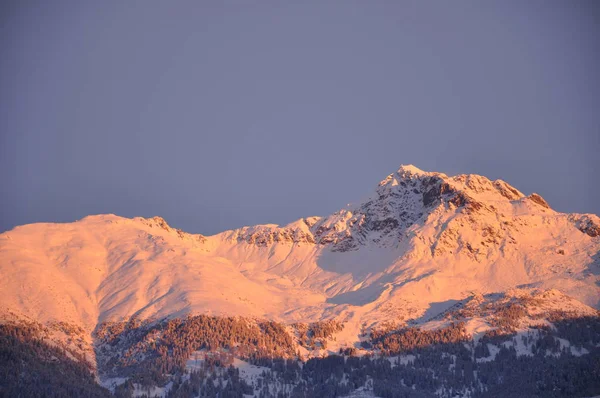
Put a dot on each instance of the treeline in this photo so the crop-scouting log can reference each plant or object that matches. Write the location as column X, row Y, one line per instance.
column 314, row 335
column 406, row 340
column 443, row 363
column 30, row 367
column 405, row 362
column 451, row 366
column 146, row 352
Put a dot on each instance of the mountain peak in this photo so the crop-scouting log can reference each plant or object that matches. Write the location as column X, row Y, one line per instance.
column 407, row 172
column 410, row 169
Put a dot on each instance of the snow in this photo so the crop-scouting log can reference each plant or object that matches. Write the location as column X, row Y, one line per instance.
column 477, row 327
column 140, row 391
column 349, row 266
column 494, row 350
column 361, row 392
column 575, row 351
column 249, row 372
column 112, row 383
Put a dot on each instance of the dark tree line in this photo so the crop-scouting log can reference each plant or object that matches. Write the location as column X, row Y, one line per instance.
column 146, row 352
column 30, row 367
column 409, row 339
column 445, row 362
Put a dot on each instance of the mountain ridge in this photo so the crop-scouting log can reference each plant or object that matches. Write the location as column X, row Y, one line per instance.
column 419, row 238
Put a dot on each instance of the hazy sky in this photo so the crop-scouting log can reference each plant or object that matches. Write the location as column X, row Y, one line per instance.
column 220, row 114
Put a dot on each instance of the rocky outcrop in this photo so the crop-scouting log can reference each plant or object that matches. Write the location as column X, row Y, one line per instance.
column 587, row 223
column 534, row 197
column 266, row 235
column 506, row 190
column 161, row 223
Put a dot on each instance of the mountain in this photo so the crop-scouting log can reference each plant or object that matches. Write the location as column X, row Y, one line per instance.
column 419, row 240
column 419, row 245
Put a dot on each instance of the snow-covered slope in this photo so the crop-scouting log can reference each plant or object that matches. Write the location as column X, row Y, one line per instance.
column 418, row 244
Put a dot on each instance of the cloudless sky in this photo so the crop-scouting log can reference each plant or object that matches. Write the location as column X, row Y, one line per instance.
column 219, row 114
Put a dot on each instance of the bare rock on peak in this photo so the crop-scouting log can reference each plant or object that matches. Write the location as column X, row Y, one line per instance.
column 157, row 221
column 534, row 197
column 506, row 190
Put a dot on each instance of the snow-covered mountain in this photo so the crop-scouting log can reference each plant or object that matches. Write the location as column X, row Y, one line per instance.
column 421, row 242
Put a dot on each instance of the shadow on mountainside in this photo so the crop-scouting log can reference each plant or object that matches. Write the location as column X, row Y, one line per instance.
column 372, row 292
column 435, row 310
column 594, row 267
column 359, row 297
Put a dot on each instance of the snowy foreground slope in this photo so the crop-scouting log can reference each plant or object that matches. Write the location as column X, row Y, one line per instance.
column 418, row 244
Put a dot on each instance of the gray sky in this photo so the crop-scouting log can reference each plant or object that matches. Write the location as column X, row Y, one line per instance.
column 220, row 114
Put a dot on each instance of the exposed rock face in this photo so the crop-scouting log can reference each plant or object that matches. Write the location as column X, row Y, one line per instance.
column 587, row 223
column 592, row 230
column 435, row 188
column 534, row 197
column 161, row 223
column 506, row 190
column 265, row 235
